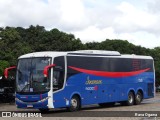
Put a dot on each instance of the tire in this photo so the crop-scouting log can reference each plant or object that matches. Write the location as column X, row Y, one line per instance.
column 107, row 104
column 74, row 104
column 138, row 98
column 130, row 100
column 43, row 110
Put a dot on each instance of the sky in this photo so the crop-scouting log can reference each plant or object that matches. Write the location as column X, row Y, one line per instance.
column 137, row 21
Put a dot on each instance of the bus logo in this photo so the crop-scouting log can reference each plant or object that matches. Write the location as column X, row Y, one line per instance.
column 92, row 88
column 89, row 81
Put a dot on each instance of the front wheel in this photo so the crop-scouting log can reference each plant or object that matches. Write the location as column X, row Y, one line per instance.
column 74, row 104
column 138, row 98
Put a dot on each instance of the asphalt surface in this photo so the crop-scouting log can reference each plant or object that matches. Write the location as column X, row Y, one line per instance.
column 149, row 107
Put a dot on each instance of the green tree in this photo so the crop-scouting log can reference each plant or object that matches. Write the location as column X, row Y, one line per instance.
column 15, row 42
column 3, row 64
column 155, row 53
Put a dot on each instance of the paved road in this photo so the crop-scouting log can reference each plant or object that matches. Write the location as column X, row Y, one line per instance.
column 148, row 106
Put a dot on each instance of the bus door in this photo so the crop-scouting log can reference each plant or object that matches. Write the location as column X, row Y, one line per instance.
column 58, row 81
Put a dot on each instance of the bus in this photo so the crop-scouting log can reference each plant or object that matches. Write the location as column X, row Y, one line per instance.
column 46, row 80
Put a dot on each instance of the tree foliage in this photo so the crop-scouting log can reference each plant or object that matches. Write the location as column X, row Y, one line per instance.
column 3, row 64
column 18, row 41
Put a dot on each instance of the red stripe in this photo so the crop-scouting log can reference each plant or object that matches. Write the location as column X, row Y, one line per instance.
column 109, row 74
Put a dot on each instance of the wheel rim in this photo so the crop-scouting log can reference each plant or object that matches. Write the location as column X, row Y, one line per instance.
column 130, row 98
column 138, row 97
column 74, row 103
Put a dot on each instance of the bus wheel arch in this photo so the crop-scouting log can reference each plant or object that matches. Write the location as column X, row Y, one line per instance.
column 138, row 97
column 75, row 103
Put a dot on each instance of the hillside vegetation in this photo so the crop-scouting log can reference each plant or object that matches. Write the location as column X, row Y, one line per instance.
column 18, row 41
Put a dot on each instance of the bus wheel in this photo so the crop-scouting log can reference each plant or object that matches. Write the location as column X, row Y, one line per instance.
column 75, row 104
column 43, row 110
column 130, row 100
column 138, row 98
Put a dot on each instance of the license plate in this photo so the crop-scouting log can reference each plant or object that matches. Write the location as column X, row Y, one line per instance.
column 30, row 106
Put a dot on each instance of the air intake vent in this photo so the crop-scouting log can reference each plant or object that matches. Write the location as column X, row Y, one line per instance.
column 95, row 52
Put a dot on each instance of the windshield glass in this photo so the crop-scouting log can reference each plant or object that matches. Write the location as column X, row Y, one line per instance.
column 30, row 76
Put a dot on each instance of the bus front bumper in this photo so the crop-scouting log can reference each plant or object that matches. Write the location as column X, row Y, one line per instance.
column 32, row 105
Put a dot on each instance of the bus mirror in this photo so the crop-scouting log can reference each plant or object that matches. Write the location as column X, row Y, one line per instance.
column 7, row 70
column 45, row 71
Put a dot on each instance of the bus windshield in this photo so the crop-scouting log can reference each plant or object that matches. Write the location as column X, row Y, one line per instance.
column 29, row 76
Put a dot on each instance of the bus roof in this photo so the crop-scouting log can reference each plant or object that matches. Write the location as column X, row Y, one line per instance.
column 95, row 52
column 90, row 53
column 43, row 54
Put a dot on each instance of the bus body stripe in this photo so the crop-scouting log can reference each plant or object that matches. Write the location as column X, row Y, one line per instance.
column 109, row 74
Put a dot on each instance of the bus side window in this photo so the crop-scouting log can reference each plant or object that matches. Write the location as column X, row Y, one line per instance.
column 58, row 79
column 55, row 77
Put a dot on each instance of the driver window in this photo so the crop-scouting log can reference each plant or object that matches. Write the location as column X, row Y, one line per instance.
column 58, row 73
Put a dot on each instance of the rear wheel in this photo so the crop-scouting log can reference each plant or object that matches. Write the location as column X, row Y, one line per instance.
column 75, row 104
column 138, row 98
